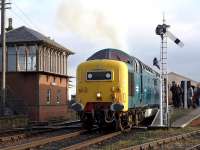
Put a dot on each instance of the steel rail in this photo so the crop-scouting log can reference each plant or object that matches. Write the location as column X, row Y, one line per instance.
column 68, row 123
column 92, row 141
column 12, row 137
column 158, row 143
column 19, row 136
column 43, row 141
column 195, row 147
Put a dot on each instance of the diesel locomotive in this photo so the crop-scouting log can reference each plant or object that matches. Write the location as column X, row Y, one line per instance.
column 115, row 90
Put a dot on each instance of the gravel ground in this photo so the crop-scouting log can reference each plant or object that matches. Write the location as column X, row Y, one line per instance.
column 183, row 144
column 135, row 138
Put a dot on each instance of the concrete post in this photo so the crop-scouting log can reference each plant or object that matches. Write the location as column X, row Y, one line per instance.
column 185, row 94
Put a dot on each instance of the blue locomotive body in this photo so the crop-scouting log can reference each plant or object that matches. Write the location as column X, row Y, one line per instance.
column 143, row 81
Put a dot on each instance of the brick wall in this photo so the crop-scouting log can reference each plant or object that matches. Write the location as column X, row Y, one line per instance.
column 27, row 94
column 53, row 109
column 21, row 93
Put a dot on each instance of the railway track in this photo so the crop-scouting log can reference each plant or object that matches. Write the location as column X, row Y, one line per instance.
column 195, row 147
column 76, row 140
column 168, row 143
column 43, row 141
column 87, row 143
column 12, row 138
column 84, row 139
column 17, row 135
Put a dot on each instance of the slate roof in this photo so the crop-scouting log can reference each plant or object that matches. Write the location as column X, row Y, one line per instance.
column 23, row 35
column 115, row 54
column 183, row 77
column 111, row 53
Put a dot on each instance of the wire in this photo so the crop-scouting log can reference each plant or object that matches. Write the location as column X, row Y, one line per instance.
column 28, row 19
column 20, row 18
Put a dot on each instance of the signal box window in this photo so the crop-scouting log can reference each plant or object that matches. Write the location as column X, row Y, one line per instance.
column 48, row 96
column 12, row 59
column 58, row 97
column 31, row 59
column 22, row 58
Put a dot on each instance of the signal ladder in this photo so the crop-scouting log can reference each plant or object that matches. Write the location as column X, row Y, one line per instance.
column 164, row 78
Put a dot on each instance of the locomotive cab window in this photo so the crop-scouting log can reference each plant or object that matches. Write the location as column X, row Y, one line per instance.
column 131, row 84
column 99, row 75
column 155, row 82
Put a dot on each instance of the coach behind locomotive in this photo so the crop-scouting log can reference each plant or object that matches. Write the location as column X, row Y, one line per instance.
column 115, row 89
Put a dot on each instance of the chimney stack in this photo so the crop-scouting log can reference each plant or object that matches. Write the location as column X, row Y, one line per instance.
column 10, row 27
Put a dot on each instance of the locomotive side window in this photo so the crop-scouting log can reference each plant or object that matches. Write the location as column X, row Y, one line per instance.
column 155, row 82
column 131, row 84
column 100, row 75
column 136, row 69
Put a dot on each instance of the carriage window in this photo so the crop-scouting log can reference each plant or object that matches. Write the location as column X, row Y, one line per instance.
column 136, row 67
column 130, row 84
column 100, row 75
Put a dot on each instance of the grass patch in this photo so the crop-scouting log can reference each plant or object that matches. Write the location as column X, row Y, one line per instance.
column 132, row 138
column 136, row 138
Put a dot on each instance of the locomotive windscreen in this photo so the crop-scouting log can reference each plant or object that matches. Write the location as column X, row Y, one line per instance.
column 99, row 75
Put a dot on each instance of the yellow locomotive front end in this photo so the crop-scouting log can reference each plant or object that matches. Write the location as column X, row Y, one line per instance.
column 102, row 88
column 102, row 81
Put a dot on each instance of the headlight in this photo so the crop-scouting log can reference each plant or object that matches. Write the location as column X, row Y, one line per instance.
column 108, row 75
column 98, row 95
column 89, row 76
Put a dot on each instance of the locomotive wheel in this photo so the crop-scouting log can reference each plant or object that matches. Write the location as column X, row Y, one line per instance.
column 125, row 122
column 99, row 116
column 87, row 122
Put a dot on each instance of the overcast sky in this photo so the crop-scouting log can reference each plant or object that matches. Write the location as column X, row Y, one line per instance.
column 86, row 26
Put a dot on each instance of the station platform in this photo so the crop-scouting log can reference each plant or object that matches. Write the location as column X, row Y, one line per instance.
column 181, row 121
column 186, row 119
column 156, row 121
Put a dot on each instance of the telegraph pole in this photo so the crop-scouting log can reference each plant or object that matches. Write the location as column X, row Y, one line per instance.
column 3, row 44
